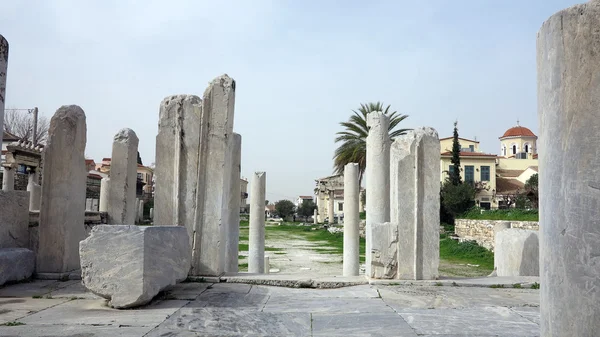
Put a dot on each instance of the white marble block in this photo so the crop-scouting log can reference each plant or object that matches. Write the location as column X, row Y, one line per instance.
column 129, row 264
column 517, row 253
column 16, row 264
column 384, row 251
column 122, row 205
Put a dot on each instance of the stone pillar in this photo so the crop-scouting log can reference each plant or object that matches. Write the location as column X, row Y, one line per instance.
column 151, row 213
column 123, row 177
column 104, row 186
column 415, row 203
column 35, row 191
column 568, row 64
column 267, row 265
column 208, row 252
column 234, row 201
column 351, row 220
column 330, row 206
column 315, row 217
column 177, row 153
column 8, row 178
column 3, row 70
column 62, row 212
column 378, row 176
column 140, row 211
column 256, row 237
column 136, row 207
column 88, row 204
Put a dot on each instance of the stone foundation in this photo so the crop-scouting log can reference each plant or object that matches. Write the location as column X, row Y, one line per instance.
column 482, row 231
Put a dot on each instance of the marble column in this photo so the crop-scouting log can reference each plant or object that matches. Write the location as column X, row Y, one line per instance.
column 568, row 85
column 3, row 71
column 315, row 217
column 35, row 191
column 104, row 186
column 234, row 201
column 256, row 238
column 122, row 205
column 351, row 220
column 415, row 204
column 377, row 176
column 330, row 207
column 8, row 178
column 140, row 211
column 151, row 213
column 62, row 212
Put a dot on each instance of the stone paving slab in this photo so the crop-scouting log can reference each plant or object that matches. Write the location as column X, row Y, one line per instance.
column 186, row 291
column 72, row 331
column 95, row 312
column 375, row 324
column 12, row 309
column 36, row 288
column 363, row 291
column 75, row 290
column 484, row 282
column 232, row 322
column 321, row 305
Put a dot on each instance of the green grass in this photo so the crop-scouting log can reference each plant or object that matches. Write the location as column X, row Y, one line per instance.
column 243, row 267
column 363, row 215
column 502, row 214
column 517, row 285
column 243, row 247
column 12, row 324
column 535, row 285
column 466, row 252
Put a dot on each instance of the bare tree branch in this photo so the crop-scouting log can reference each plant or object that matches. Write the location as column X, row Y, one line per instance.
column 20, row 124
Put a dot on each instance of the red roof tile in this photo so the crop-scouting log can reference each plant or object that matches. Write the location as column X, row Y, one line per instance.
column 507, row 186
column 469, row 140
column 518, row 131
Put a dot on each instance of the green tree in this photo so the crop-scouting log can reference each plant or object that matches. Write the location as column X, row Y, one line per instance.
column 139, row 158
column 284, row 208
column 531, row 190
column 353, row 139
column 306, row 208
column 454, row 174
column 457, row 199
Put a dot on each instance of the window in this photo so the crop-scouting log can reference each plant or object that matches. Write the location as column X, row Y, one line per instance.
column 469, row 173
column 527, row 148
column 504, row 150
column 139, row 176
column 341, row 206
column 472, row 148
column 451, row 169
column 514, row 148
column 485, row 173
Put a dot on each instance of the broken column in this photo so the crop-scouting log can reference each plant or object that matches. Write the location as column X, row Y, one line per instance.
column 351, row 219
column 568, row 65
column 123, row 177
column 256, row 237
column 378, row 176
column 415, row 203
column 104, row 187
column 8, row 177
column 330, row 206
column 233, row 204
column 62, row 212
column 3, row 70
column 177, row 153
column 315, row 217
column 35, row 191
column 140, row 211
column 208, row 255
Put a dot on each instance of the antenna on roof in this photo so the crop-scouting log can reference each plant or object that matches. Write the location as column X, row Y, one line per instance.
column 517, row 122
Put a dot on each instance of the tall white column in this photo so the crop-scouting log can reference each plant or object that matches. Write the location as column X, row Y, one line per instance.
column 122, row 206
column 233, row 224
column 377, row 175
column 330, row 206
column 104, row 186
column 35, row 191
column 315, row 217
column 256, row 238
column 140, row 211
column 351, row 219
column 8, row 179
column 568, row 65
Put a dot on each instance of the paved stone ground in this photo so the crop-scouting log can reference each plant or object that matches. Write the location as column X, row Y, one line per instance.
column 51, row 308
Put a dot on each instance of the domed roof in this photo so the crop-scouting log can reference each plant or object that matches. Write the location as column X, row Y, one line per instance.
column 518, row 131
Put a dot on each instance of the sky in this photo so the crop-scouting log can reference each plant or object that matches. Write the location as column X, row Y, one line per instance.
column 300, row 68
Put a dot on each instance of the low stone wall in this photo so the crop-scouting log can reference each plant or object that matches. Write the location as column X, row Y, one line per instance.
column 483, row 231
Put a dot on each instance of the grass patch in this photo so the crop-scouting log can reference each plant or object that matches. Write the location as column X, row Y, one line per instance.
column 273, row 249
column 363, row 215
column 280, row 253
column 502, row 214
column 535, row 285
column 12, row 324
column 466, row 252
column 243, row 247
column 243, row 267
column 439, row 284
column 497, row 286
column 517, row 285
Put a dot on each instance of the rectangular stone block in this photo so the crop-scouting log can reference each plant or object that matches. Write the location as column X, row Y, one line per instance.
column 14, row 219
column 415, row 202
column 62, row 212
column 517, row 253
column 122, row 206
column 16, row 264
column 384, row 251
column 129, row 264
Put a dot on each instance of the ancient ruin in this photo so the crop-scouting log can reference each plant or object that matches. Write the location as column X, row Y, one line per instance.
column 256, row 246
column 122, row 206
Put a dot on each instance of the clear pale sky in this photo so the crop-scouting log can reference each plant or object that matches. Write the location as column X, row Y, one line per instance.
column 300, row 68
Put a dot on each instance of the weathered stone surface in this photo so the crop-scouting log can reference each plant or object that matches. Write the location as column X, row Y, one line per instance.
column 123, row 176
column 568, row 61
column 35, row 191
column 415, row 200
column 129, row 265
column 378, row 176
column 351, row 220
column 62, row 212
column 359, row 324
column 14, row 219
column 177, row 152
column 16, row 264
column 256, row 237
column 517, row 253
column 232, row 235
column 140, row 210
column 384, row 251
column 8, row 178
column 3, row 70
column 104, row 187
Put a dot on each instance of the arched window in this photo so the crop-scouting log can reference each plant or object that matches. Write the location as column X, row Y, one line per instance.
column 527, row 148
column 504, row 150
column 514, row 148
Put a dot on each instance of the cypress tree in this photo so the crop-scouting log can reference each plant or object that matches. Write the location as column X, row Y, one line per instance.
column 455, row 173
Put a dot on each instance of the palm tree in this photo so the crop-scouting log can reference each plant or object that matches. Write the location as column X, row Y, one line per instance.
column 354, row 139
